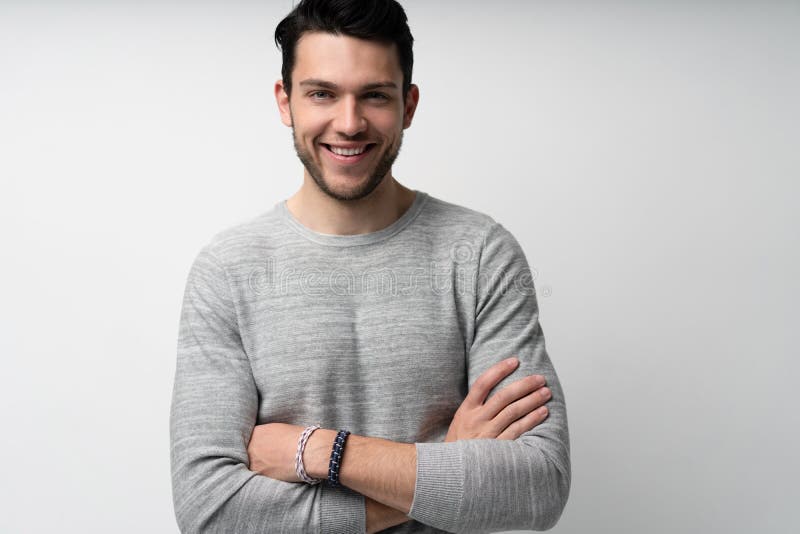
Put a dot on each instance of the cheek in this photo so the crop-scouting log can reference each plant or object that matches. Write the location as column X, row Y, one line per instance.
column 389, row 124
column 307, row 124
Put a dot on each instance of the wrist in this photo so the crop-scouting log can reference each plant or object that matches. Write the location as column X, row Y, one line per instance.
column 317, row 454
column 380, row 517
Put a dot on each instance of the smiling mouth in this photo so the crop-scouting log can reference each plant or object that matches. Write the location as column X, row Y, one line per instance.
column 348, row 152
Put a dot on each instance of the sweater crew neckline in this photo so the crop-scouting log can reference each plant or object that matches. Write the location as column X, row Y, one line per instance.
column 405, row 219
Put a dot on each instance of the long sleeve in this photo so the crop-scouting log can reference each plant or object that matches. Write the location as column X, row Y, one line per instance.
column 488, row 485
column 214, row 409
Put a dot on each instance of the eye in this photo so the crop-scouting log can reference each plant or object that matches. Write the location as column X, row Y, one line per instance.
column 319, row 95
column 377, row 96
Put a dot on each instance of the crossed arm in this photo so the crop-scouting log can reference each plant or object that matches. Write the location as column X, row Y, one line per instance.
column 384, row 471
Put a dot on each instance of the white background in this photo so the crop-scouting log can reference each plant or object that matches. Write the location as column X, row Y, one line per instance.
column 643, row 153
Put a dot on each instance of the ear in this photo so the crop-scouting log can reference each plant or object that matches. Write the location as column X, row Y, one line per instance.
column 283, row 103
column 410, row 105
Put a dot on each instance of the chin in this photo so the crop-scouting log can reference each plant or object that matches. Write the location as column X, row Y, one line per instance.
column 349, row 188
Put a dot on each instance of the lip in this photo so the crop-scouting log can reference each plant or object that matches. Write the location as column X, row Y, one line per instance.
column 347, row 160
column 345, row 145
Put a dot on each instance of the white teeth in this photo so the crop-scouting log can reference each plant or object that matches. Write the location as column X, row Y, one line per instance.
column 347, row 151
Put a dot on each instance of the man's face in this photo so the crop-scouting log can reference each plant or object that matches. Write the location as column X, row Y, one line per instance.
column 346, row 111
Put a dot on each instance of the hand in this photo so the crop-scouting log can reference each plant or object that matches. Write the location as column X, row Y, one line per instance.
column 510, row 412
column 272, row 449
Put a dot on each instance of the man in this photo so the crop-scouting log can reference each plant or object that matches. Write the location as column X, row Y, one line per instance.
column 361, row 305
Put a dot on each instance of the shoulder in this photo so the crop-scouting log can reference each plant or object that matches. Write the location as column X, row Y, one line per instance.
column 246, row 242
column 443, row 213
column 484, row 229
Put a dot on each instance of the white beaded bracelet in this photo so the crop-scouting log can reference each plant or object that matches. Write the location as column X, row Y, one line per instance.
column 298, row 459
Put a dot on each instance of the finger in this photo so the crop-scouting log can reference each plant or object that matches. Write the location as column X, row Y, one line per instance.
column 489, row 379
column 529, row 422
column 521, row 408
column 511, row 393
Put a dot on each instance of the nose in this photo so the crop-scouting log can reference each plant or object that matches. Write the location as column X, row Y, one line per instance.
column 349, row 119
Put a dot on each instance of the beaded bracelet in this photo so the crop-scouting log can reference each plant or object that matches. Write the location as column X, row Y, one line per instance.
column 298, row 458
column 336, row 457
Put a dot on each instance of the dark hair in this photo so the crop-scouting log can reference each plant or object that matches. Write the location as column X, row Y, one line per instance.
column 375, row 20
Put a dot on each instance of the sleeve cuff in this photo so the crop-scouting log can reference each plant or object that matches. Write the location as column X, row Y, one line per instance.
column 439, row 490
column 342, row 510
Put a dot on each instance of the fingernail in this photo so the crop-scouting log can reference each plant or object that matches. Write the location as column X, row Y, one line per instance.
column 511, row 362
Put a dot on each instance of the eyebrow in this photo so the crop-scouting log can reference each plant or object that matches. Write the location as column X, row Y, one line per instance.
column 330, row 85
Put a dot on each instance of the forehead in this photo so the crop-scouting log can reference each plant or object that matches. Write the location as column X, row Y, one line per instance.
column 342, row 59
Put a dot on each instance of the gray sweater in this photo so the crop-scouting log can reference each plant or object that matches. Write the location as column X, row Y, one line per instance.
column 381, row 334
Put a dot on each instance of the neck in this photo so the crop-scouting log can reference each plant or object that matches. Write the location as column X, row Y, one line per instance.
column 319, row 212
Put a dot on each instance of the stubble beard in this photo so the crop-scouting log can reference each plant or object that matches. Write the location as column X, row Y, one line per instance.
column 380, row 171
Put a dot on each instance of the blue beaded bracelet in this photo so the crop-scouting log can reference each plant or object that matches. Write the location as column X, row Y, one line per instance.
column 336, row 457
